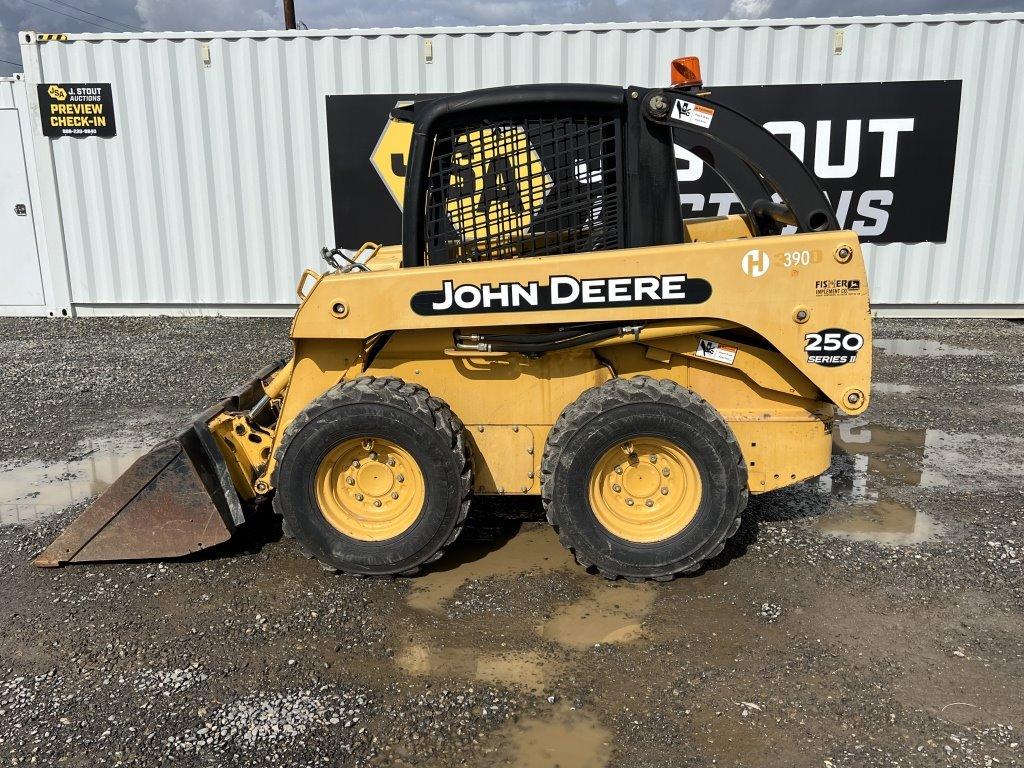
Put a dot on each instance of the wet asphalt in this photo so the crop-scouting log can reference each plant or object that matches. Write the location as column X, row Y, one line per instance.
column 869, row 617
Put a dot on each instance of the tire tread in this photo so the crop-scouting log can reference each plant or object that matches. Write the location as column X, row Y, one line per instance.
column 391, row 391
column 622, row 391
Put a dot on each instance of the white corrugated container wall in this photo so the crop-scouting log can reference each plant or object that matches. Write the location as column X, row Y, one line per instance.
column 216, row 192
column 26, row 256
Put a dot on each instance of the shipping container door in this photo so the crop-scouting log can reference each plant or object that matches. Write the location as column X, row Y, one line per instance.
column 21, row 282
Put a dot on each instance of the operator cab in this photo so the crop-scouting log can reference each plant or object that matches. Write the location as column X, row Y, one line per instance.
column 540, row 170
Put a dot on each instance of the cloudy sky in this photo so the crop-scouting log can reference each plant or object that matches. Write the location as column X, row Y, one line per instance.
column 137, row 15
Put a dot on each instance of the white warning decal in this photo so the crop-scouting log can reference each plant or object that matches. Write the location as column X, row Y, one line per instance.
column 695, row 114
column 713, row 350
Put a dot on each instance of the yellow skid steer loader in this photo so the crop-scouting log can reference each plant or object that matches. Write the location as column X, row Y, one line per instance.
column 550, row 325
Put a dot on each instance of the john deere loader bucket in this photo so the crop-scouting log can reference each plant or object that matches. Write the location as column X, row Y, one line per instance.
column 175, row 500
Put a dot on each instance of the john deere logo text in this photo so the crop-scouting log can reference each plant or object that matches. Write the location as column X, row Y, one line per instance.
column 561, row 292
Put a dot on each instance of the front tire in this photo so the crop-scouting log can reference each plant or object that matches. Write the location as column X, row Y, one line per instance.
column 374, row 477
column 643, row 479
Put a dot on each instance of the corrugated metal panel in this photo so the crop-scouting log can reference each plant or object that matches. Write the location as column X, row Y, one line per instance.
column 216, row 189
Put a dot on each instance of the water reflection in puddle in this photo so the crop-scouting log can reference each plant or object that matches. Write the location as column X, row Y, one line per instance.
column 924, row 348
column 885, row 522
column 608, row 613
column 521, row 669
column 566, row 739
column 868, row 459
column 533, row 549
column 37, row 489
column 612, row 613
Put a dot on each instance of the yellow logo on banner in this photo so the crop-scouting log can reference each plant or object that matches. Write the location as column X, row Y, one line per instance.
column 497, row 183
column 391, row 155
column 57, row 93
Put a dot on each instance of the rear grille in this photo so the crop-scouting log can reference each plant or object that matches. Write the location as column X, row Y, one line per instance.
column 526, row 186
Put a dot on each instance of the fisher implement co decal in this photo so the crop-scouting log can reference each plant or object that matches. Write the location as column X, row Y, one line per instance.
column 561, row 292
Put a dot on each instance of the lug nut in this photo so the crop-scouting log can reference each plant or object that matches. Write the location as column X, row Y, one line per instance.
column 618, row 470
column 350, row 480
column 355, row 464
column 648, row 503
column 401, row 478
column 616, row 487
column 654, row 458
column 359, row 497
column 394, row 494
column 629, row 502
column 664, row 472
column 376, row 503
column 373, row 457
column 391, row 462
column 664, row 491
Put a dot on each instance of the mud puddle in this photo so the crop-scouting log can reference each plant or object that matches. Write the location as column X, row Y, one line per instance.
column 925, row 348
column 527, row 670
column 533, row 549
column 611, row 613
column 567, row 739
column 887, row 522
column 868, row 457
column 870, row 461
column 37, row 489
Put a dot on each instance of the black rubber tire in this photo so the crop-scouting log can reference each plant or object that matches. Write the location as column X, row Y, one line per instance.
column 392, row 409
column 642, row 406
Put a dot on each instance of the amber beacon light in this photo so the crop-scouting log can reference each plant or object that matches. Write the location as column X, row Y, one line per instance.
column 686, row 72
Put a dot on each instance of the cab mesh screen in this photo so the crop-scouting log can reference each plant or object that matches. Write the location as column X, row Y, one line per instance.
column 524, row 187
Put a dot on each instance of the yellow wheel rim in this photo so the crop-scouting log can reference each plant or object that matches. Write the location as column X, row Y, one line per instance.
column 645, row 490
column 370, row 489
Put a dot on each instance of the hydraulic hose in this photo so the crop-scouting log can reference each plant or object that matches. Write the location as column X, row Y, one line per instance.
column 530, row 346
column 565, row 332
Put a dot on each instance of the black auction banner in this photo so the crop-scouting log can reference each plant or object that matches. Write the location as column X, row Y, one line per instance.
column 76, row 109
column 883, row 153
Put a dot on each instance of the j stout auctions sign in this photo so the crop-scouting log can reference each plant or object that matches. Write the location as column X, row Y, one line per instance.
column 882, row 152
column 77, row 109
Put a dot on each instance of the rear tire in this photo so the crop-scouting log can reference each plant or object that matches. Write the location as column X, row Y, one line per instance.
column 643, row 479
column 374, row 477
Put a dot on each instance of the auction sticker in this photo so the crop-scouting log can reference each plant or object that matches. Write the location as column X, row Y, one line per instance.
column 77, row 109
column 713, row 350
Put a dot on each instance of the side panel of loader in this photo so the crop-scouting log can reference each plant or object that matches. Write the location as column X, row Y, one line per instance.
column 791, row 304
column 510, row 402
column 746, row 282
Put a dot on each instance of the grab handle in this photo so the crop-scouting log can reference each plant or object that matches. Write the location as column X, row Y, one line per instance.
column 306, row 274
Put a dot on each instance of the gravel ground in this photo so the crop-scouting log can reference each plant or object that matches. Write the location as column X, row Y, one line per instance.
column 869, row 618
